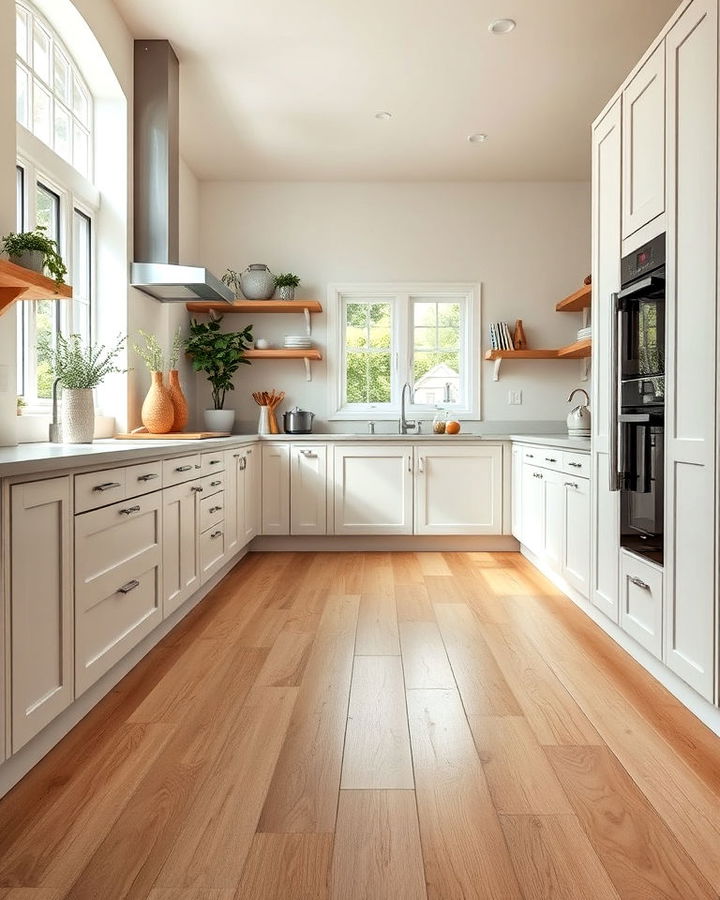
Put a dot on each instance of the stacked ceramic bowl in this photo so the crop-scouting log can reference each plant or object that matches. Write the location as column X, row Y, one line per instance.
column 297, row 342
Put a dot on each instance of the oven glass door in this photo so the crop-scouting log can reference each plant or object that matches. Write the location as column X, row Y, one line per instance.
column 642, row 507
column 643, row 338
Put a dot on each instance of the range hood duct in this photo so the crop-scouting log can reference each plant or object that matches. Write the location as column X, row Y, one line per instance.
column 157, row 184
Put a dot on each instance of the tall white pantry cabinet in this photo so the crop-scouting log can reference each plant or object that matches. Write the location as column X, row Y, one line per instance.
column 660, row 133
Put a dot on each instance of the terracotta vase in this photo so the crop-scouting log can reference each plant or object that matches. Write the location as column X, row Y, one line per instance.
column 178, row 401
column 158, row 412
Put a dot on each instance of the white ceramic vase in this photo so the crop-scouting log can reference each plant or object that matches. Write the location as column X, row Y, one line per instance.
column 220, row 419
column 78, row 416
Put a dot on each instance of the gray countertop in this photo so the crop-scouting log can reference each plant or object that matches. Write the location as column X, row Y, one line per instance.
column 582, row 445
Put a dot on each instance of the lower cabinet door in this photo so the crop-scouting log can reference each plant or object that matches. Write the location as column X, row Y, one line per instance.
column 118, row 597
column 41, row 605
column 233, row 502
column 641, row 601
column 181, row 559
column 212, row 551
column 308, row 490
column 458, row 490
column 373, row 489
column 533, row 508
column 553, row 518
column 516, row 482
column 276, row 488
column 576, row 543
column 252, row 477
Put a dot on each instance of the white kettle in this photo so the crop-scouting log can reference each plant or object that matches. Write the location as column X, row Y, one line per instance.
column 578, row 420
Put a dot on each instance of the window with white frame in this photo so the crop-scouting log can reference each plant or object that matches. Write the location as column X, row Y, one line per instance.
column 54, row 190
column 383, row 336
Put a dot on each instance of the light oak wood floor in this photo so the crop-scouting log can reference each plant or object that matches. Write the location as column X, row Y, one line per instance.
column 440, row 725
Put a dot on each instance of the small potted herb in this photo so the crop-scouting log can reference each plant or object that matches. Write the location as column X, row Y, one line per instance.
column 286, row 284
column 232, row 279
column 79, row 370
column 21, row 404
column 34, row 250
column 219, row 355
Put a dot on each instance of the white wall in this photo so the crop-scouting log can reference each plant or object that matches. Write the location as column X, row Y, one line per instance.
column 528, row 244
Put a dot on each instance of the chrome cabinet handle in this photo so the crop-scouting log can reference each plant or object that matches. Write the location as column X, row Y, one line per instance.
column 214, row 462
column 571, row 484
column 537, row 475
column 529, row 456
column 215, row 534
column 184, row 469
column 215, row 483
column 108, row 486
column 638, row 582
column 128, row 510
column 421, row 465
column 130, row 586
column 410, row 464
column 214, row 509
column 250, row 450
column 550, row 459
column 310, row 454
column 575, row 465
column 148, row 477
column 237, row 455
column 197, row 489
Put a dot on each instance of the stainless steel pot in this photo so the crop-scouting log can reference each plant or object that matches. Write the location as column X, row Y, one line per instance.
column 298, row 421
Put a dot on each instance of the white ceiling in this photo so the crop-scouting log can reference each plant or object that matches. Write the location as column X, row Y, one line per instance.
column 288, row 89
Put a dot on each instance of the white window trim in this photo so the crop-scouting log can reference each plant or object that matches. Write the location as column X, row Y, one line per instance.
column 401, row 349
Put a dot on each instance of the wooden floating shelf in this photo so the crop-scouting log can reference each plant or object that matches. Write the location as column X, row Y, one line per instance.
column 307, row 356
column 577, row 350
column 256, row 306
column 576, row 302
column 17, row 283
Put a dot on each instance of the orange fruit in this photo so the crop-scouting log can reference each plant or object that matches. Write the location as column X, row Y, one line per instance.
column 452, row 428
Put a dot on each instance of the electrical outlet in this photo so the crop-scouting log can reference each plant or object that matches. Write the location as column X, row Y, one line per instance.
column 514, row 398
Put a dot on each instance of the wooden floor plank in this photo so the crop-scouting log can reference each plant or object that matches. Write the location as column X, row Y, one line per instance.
column 424, row 658
column 377, row 851
column 636, row 847
column 304, row 789
column 553, row 858
column 190, row 894
column 377, row 743
column 482, row 686
column 413, row 603
column 406, row 569
column 286, row 662
column 264, row 627
column 432, row 564
column 27, row 893
column 519, row 776
column 377, row 574
column 377, row 628
column 287, row 867
column 464, row 849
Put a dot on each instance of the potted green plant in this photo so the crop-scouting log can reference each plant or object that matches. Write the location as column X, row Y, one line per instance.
column 219, row 355
column 286, row 284
column 21, row 404
column 79, row 369
column 232, row 279
column 34, row 250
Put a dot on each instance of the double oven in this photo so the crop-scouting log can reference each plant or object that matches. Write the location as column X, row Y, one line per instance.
column 638, row 465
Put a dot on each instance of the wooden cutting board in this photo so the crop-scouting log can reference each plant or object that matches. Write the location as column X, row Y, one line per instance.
column 172, row 436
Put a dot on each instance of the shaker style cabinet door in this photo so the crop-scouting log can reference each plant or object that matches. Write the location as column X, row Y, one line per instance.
column 643, row 143
column 251, row 495
column 533, row 508
column 691, row 490
column 458, row 490
column 308, row 490
column 553, row 518
column 181, row 529
column 373, row 489
column 41, row 605
column 606, row 250
column 233, row 502
column 275, row 488
column 517, row 465
column 576, row 541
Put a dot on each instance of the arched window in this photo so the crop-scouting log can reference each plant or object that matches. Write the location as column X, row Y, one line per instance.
column 55, row 188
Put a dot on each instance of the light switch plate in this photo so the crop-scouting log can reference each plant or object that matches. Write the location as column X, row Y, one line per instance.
column 514, row 398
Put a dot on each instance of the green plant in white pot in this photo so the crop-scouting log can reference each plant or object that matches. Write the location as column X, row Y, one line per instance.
column 34, row 250
column 79, row 369
column 286, row 284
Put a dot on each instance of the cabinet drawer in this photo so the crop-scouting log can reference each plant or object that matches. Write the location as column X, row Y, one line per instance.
column 143, row 479
column 576, row 464
column 179, row 469
column 641, row 601
column 212, row 510
column 211, row 484
column 96, row 489
column 546, row 457
column 212, row 462
column 212, row 551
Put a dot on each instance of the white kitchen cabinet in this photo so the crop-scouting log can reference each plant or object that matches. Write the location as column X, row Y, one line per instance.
column 275, row 488
column 118, row 598
column 533, row 508
column 576, row 533
column 252, row 493
column 212, row 551
column 517, row 481
column 553, row 517
column 373, row 489
column 458, row 489
column 641, row 601
column 308, row 489
column 181, row 532
column 606, row 251
column 643, row 143
column 41, row 605
column 234, row 484
column 691, row 563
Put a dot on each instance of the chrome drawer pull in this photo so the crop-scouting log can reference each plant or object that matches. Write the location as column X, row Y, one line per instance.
column 214, row 509
column 243, row 463
column 108, row 486
column 215, row 483
column 638, row 582
column 571, row 484
column 130, row 586
column 214, row 462
column 575, row 465
column 237, row 455
column 550, row 459
column 128, row 510
column 148, row 477
column 197, row 489
column 250, row 450
column 529, row 456
column 215, row 534
column 184, row 469
column 537, row 475
column 310, row 454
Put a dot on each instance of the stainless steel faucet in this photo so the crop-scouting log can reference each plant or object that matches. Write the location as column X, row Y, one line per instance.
column 404, row 425
column 55, row 436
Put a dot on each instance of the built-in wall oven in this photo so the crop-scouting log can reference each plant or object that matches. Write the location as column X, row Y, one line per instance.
column 637, row 465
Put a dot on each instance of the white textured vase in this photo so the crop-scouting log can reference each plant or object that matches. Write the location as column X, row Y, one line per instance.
column 78, row 416
column 220, row 420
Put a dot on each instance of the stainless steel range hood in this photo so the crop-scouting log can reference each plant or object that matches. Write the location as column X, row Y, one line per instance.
column 157, row 183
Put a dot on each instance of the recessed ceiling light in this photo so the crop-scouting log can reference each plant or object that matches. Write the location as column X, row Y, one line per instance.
column 478, row 138
column 502, row 26
column 383, row 115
